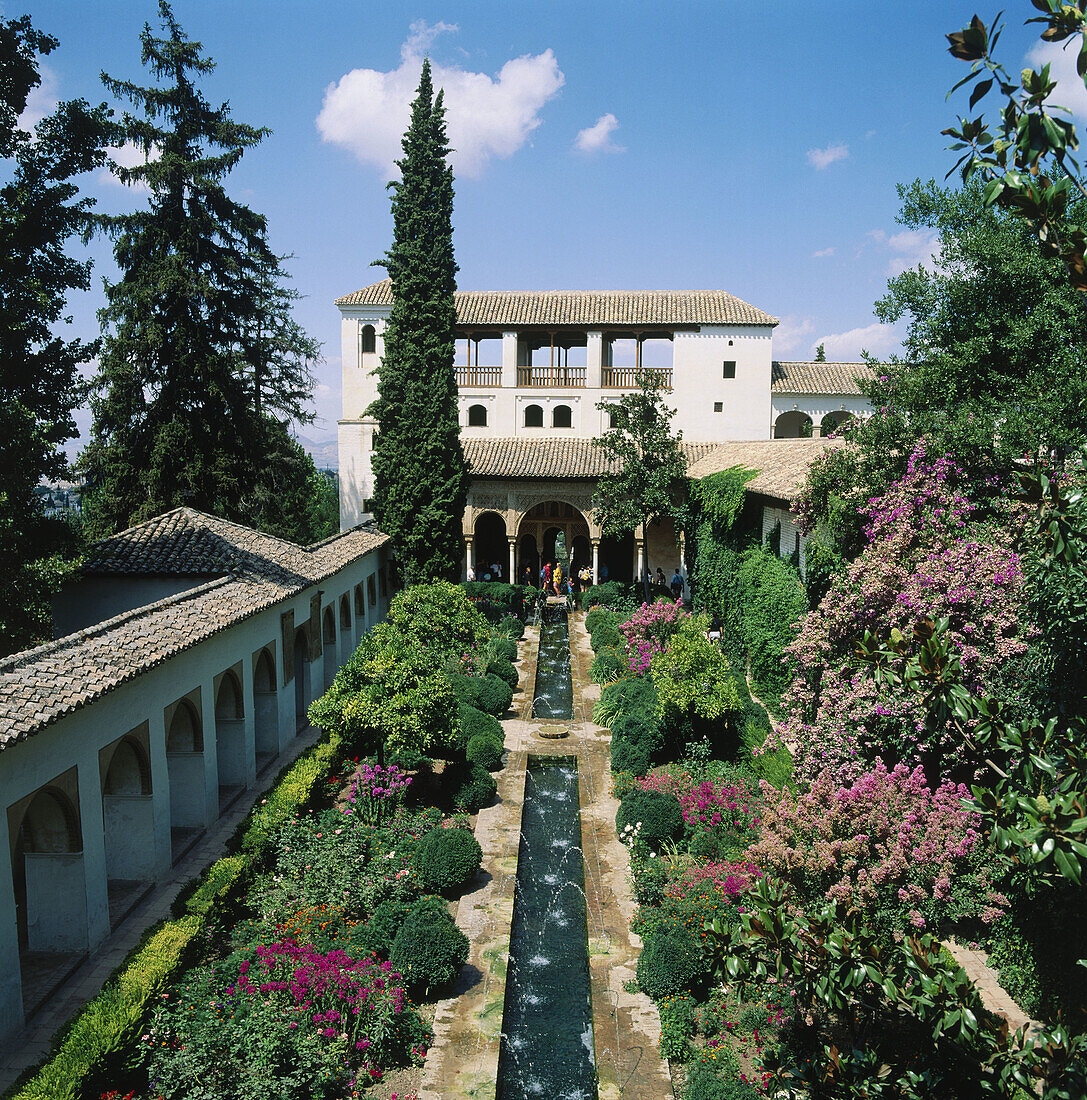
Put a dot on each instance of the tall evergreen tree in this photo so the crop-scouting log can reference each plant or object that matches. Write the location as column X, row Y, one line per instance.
column 39, row 371
column 200, row 352
column 420, row 477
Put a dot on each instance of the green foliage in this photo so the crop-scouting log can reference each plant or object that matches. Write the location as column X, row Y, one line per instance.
column 473, row 722
column 493, row 694
column 606, row 633
column 692, row 677
column 597, row 615
column 429, row 949
column 646, row 479
column 438, row 617
column 484, row 750
column 201, row 358
column 504, row 646
column 636, row 740
column 389, row 694
column 420, row 477
column 612, row 595
column 504, row 670
column 40, row 385
column 448, row 859
column 513, row 628
column 670, row 964
column 705, row 1082
column 655, row 816
column 677, row 1023
column 607, row 665
column 473, row 788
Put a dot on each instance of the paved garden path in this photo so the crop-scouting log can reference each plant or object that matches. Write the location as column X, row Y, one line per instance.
column 464, row 1060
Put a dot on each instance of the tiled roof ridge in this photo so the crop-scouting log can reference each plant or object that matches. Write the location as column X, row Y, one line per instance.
column 14, row 661
column 821, row 363
column 366, row 525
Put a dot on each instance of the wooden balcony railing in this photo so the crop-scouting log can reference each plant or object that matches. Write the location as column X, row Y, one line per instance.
column 626, row 377
column 478, row 376
column 551, row 376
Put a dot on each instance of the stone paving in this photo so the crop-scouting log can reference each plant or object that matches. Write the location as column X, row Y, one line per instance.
column 30, row 1046
column 463, row 1062
column 978, row 970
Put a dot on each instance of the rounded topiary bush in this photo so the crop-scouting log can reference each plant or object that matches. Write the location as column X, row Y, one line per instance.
column 493, row 694
column 606, row 634
column 512, row 626
column 504, row 670
column 485, row 751
column 659, row 814
column 669, row 964
column 504, row 647
column 607, row 665
column 595, row 617
column 473, row 722
column 639, row 728
column 429, row 949
column 447, row 858
column 464, row 687
column 629, row 756
column 476, row 790
column 377, row 934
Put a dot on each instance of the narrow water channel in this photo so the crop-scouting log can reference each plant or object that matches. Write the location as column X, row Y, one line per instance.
column 547, row 1024
column 554, row 694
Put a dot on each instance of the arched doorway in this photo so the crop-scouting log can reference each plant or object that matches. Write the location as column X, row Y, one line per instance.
column 229, row 739
column 529, row 556
column 793, row 425
column 346, row 646
column 491, row 546
column 265, row 710
column 833, row 421
column 301, row 679
column 129, row 824
column 617, row 558
column 541, row 526
column 328, row 646
column 50, row 887
column 185, row 767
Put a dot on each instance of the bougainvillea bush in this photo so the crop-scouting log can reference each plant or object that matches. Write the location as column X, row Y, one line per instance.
column 282, row 1019
column 721, row 815
column 888, row 844
column 650, row 630
column 928, row 555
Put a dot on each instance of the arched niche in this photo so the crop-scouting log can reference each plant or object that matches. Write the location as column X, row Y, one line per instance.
column 477, row 416
column 561, row 416
column 328, row 647
column 231, row 757
column 185, row 768
column 301, row 660
column 793, row 425
column 534, row 417
column 265, row 708
column 833, row 421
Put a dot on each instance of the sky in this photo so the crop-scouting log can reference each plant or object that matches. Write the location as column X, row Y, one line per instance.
column 748, row 147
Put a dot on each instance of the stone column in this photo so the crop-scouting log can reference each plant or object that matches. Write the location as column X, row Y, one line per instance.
column 683, row 553
column 596, row 561
column 509, row 360
column 512, row 579
column 594, row 354
column 639, row 544
column 468, row 561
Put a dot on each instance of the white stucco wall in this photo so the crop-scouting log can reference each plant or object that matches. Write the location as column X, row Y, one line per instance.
column 79, row 914
column 817, row 406
column 791, row 536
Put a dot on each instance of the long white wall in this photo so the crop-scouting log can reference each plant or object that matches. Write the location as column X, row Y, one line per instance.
column 75, row 742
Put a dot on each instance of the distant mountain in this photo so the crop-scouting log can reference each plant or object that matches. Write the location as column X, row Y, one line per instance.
column 324, row 452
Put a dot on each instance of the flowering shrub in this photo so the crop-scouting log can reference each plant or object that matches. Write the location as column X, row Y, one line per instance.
column 649, row 630
column 886, row 843
column 282, row 1019
column 375, row 792
column 692, row 676
column 927, row 557
column 709, row 804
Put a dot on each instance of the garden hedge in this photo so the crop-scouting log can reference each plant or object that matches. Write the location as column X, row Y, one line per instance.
column 504, row 670
column 504, row 646
column 448, row 859
column 485, row 751
column 429, row 949
column 492, row 694
column 658, row 813
column 670, row 964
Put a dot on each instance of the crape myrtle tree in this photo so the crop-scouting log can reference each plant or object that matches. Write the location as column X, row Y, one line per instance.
column 202, row 367
column 647, row 477
column 40, row 212
column 420, row 477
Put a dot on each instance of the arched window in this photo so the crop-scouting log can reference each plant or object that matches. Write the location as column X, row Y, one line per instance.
column 369, row 340
column 534, row 416
column 561, row 417
column 477, row 416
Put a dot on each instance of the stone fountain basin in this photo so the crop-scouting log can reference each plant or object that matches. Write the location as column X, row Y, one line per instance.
column 553, row 733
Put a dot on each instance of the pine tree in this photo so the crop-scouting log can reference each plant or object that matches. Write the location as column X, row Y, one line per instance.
column 420, row 477
column 39, row 371
column 200, row 352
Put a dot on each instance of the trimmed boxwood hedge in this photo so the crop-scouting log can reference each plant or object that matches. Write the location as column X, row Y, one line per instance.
column 429, row 949
column 473, row 722
column 493, row 694
column 504, row 647
column 504, row 670
column 485, row 751
column 605, row 634
column 670, row 963
column 513, row 627
column 447, row 859
column 660, row 815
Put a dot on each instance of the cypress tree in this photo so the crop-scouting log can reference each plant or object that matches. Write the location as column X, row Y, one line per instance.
column 200, row 351
column 420, row 478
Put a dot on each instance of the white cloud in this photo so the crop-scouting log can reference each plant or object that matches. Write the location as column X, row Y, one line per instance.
column 597, row 138
column 367, row 111
column 1070, row 91
column 829, row 251
column 42, row 100
column 789, row 335
column 824, row 158
column 909, row 248
column 125, row 156
column 876, row 338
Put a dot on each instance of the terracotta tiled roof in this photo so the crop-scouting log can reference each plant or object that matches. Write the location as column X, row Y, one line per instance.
column 547, row 458
column 41, row 685
column 590, row 307
column 831, row 378
column 782, row 463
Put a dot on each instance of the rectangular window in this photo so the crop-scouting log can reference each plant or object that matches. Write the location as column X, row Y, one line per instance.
column 729, row 368
column 718, row 406
column 371, row 589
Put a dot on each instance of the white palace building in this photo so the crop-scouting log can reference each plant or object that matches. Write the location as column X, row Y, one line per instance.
column 532, row 368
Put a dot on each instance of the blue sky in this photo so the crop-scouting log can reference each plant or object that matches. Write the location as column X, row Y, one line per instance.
column 749, row 147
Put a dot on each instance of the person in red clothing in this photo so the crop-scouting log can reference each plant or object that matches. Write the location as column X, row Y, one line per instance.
column 547, row 576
